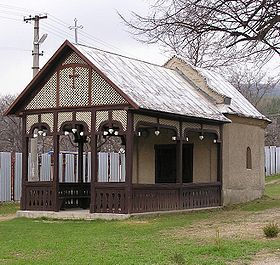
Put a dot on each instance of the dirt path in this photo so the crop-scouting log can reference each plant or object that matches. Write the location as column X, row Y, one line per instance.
column 7, row 217
column 239, row 225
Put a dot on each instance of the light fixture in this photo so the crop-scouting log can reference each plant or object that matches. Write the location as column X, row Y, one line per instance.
column 139, row 133
column 35, row 135
column 157, row 132
column 82, row 133
column 105, row 133
column 44, row 134
column 111, row 130
column 116, row 133
column 122, row 151
column 187, row 139
column 201, row 137
column 174, row 138
column 74, row 130
column 214, row 141
column 66, row 133
column 40, row 132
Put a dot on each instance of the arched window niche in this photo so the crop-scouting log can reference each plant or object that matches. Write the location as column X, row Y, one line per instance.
column 248, row 158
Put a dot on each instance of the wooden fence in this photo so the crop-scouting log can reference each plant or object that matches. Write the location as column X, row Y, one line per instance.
column 272, row 160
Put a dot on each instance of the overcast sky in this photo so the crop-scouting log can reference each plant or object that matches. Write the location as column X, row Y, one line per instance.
column 102, row 28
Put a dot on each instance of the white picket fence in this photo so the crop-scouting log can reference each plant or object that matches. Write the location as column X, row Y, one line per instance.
column 111, row 168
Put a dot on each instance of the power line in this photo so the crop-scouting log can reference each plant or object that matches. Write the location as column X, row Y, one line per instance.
column 57, row 27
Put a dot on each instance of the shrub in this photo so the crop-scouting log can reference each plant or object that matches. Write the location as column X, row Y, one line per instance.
column 271, row 230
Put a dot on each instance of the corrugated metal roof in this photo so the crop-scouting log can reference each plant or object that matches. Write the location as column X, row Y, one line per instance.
column 155, row 87
column 151, row 86
column 239, row 104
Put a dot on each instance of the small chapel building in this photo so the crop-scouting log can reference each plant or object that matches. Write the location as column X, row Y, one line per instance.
column 113, row 134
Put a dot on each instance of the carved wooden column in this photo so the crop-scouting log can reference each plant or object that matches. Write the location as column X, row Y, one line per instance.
column 55, row 196
column 129, row 162
column 179, row 169
column 24, row 164
column 93, row 163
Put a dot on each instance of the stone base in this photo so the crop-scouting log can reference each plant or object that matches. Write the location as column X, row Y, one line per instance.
column 72, row 214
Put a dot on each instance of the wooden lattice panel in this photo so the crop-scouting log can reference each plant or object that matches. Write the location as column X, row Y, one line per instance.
column 121, row 116
column 48, row 119
column 84, row 116
column 142, row 118
column 46, row 97
column 63, row 117
column 170, row 123
column 190, row 126
column 103, row 93
column 73, row 87
column 100, row 117
column 30, row 120
column 73, row 58
column 212, row 128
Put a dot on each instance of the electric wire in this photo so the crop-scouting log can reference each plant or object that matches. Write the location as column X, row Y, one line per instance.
column 57, row 27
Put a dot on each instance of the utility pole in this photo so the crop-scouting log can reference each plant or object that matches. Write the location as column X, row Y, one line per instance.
column 76, row 27
column 36, row 43
column 34, row 174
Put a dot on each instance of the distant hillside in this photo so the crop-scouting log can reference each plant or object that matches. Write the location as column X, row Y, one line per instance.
column 275, row 92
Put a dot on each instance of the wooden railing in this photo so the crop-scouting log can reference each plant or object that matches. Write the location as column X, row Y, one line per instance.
column 110, row 198
column 164, row 197
column 155, row 197
column 72, row 195
column 201, row 195
column 39, row 196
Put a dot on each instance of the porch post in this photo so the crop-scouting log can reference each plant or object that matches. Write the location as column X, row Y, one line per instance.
column 24, row 176
column 93, row 162
column 220, row 163
column 129, row 162
column 55, row 198
column 179, row 168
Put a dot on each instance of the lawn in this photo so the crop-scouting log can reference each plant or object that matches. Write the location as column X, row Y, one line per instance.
column 223, row 236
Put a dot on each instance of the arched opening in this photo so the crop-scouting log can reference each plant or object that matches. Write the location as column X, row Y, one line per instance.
column 111, row 150
column 40, row 154
column 248, row 158
column 74, row 165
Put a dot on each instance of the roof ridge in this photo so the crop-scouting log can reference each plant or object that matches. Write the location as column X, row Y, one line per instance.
column 117, row 54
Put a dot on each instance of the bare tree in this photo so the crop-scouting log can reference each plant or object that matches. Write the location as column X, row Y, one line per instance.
column 203, row 30
column 253, row 82
column 10, row 128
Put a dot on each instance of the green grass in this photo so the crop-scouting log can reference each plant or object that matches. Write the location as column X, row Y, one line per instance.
column 8, row 208
column 273, row 186
column 165, row 239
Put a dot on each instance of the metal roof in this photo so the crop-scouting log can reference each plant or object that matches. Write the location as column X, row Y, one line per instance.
column 239, row 104
column 153, row 87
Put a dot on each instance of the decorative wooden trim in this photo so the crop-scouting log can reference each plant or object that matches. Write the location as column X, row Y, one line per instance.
column 78, row 108
column 90, row 87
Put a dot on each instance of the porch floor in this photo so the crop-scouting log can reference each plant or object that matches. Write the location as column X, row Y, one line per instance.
column 79, row 214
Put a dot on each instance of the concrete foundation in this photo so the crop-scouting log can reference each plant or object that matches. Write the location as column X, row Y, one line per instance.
column 72, row 215
column 85, row 215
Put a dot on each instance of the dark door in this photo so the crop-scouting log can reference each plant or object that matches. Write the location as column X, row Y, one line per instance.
column 165, row 163
column 187, row 163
